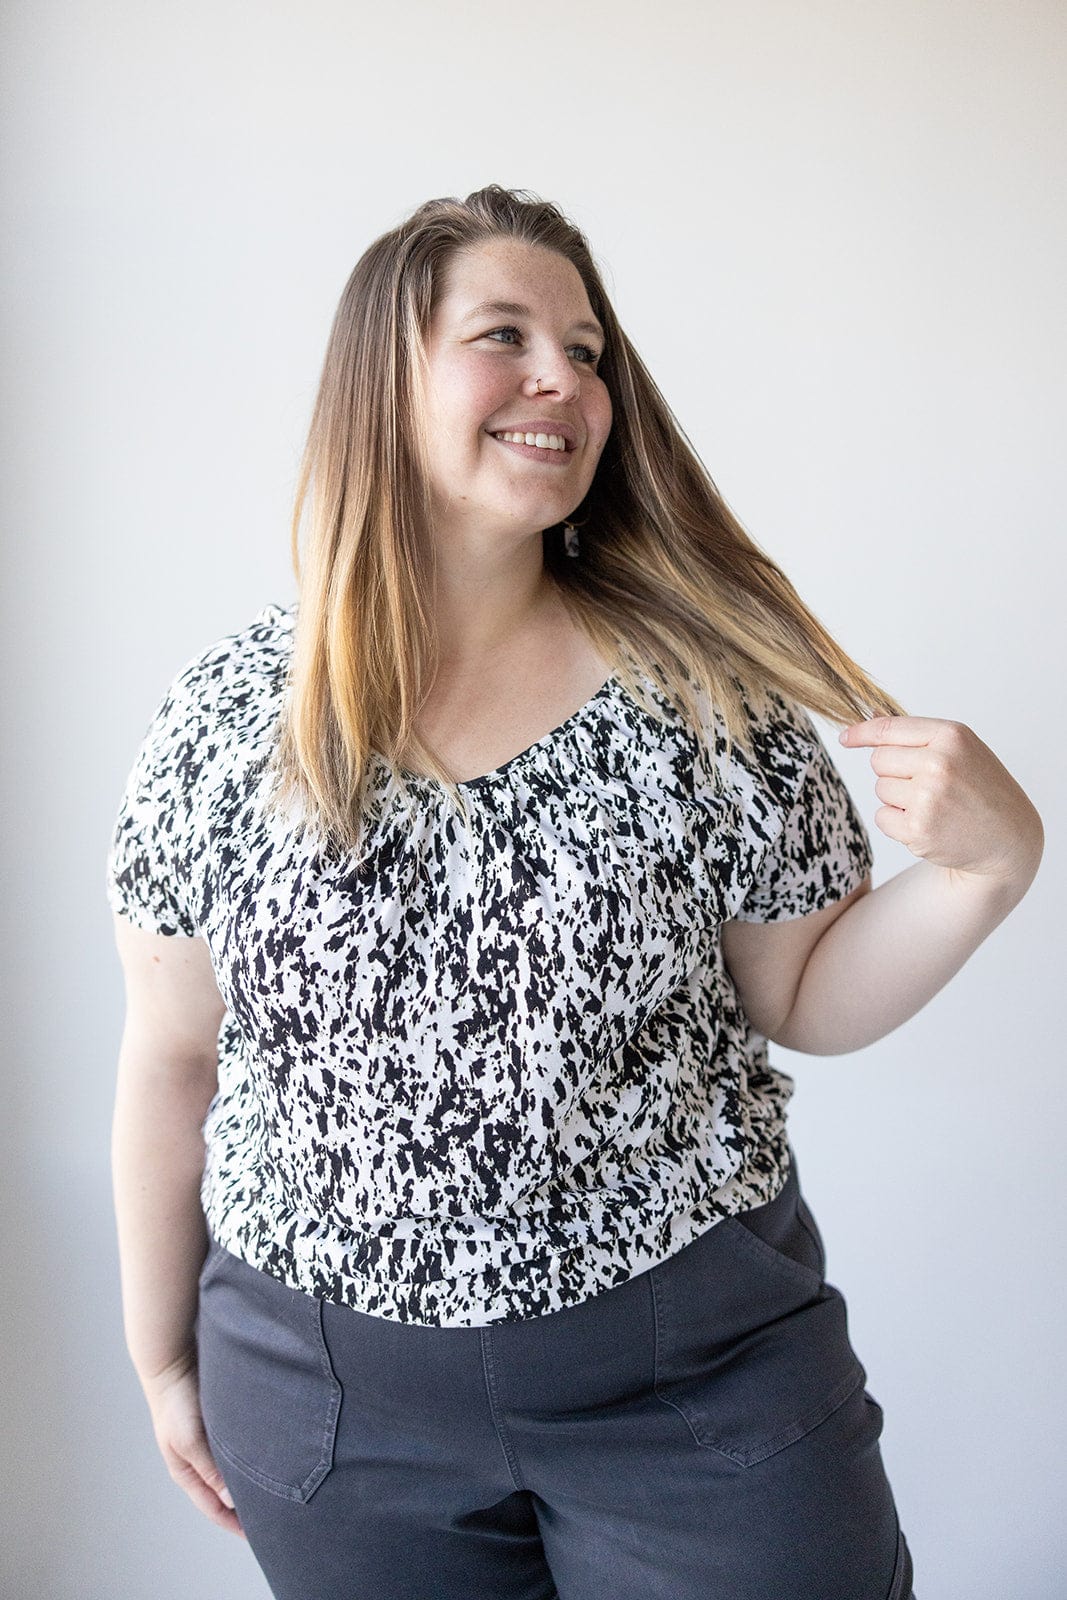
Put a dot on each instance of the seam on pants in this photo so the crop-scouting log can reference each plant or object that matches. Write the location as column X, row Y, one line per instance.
column 655, row 1331
column 486, row 1339
column 904, row 1574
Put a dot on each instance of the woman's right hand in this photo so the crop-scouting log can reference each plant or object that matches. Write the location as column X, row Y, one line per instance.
column 174, row 1401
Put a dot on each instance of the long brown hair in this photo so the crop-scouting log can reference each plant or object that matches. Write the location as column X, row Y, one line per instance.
column 668, row 583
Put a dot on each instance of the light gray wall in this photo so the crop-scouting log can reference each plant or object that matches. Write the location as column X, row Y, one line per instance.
column 836, row 234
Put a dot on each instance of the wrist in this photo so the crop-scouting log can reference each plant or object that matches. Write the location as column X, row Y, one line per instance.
column 155, row 1379
column 1008, row 881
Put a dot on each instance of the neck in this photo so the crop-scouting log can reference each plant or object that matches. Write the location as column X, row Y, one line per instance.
column 485, row 601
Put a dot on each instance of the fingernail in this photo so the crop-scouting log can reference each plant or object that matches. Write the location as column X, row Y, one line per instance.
column 226, row 1497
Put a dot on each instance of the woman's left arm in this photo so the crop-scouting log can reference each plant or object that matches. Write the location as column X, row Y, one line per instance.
column 980, row 840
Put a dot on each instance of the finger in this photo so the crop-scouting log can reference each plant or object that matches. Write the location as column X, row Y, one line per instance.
column 893, row 823
column 899, row 760
column 204, row 1497
column 890, row 730
column 216, row 1481
column 895, row 792
column 197, row 1452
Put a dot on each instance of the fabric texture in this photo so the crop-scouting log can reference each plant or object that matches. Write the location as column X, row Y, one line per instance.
column 482, row 1077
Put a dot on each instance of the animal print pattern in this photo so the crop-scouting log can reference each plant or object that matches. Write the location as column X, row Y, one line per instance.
column 480, row 1077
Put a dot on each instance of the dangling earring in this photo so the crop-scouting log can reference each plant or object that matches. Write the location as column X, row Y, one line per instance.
column 570, row 534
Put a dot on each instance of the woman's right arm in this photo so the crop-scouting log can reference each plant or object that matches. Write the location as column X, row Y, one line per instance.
column 167, row 1075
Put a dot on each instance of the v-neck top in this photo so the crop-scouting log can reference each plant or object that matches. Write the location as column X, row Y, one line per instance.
column 481, row 1075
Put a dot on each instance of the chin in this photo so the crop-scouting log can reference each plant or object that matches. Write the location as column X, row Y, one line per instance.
column 537, row 518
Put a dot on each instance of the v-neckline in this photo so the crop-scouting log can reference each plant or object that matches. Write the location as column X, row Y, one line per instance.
column 543, row 743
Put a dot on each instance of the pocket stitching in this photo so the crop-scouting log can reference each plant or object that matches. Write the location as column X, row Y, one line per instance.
column 304, row 1490
column 757, row 1245
column 752, row 1456
column 747, row 1456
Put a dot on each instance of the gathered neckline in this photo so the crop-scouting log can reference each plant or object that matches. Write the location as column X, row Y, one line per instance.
column 286, row 616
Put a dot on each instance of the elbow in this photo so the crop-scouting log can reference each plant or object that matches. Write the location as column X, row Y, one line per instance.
column 788, row 1036
column 815, row 1038
column 801, row 1045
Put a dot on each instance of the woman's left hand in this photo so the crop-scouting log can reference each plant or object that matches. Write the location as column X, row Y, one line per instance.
column 948, row 798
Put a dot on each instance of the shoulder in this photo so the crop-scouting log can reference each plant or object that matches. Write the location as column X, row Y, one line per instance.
column 222, row 701
column 230, row 680
column 257, row 651
column 782, row 738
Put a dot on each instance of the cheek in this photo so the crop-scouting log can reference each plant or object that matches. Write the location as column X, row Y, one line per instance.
column 481, row 387
column 601, row 427
column 464, row 396
column 598, row 410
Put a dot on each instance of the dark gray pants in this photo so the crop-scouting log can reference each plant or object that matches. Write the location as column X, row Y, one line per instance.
column 700, row 1432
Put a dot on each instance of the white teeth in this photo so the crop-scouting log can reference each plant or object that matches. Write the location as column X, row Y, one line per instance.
column 546, row 441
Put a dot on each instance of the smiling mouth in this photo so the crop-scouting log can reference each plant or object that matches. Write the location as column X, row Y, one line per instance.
column 551, row 448
column 542, row 438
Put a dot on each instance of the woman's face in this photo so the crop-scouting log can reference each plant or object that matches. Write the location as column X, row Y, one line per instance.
column 485, row 361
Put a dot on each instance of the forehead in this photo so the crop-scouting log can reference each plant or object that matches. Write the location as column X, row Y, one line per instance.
column 511, row 269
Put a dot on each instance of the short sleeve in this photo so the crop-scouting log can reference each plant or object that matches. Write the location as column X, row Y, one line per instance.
column 822, row 853
column 149, row 855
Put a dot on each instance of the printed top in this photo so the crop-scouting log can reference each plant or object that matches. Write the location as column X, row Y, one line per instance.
column 480, row 1075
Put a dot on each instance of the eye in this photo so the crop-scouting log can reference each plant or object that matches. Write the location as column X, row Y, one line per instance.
column 493, row 332
column 589, row 356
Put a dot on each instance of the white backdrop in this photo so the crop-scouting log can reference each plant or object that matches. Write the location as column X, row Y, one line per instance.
column 836, row 234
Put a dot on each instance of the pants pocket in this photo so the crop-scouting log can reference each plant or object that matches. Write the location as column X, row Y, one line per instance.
column 811, row 1228
column 752, row 1343
column 268, row 1393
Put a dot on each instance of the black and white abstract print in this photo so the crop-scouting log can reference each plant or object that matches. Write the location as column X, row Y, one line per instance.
column 480, row 1075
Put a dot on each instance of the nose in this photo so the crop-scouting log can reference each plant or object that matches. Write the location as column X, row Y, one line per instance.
column 555, row 371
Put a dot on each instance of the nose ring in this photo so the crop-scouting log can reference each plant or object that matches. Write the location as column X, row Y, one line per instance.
column 540, row 391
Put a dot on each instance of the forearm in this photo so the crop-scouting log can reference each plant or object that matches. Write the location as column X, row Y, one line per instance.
column 157, row 1164
column 890, row 952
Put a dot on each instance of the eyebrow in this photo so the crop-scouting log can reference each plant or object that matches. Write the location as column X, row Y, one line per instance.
column 511, row 308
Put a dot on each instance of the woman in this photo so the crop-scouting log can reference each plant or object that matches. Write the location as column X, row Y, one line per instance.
column 457, row 906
